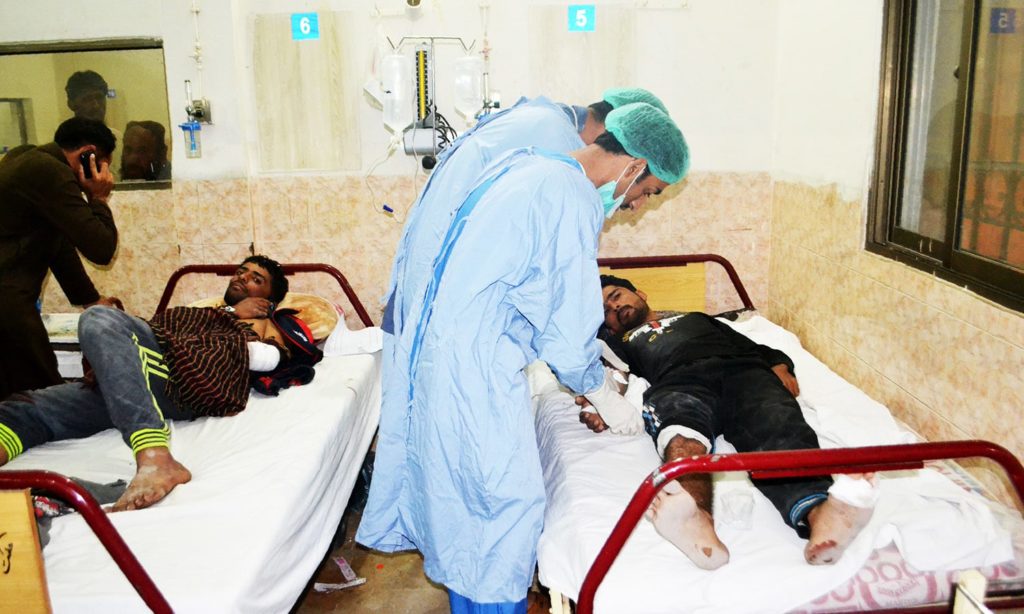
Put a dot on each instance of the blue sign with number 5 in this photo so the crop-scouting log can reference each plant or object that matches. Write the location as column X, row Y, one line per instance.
column 1002, row 21
column 305, row 27
column 581, row 17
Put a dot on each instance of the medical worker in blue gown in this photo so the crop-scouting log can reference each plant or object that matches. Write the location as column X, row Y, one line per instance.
column 457, row 473
column 529, row 123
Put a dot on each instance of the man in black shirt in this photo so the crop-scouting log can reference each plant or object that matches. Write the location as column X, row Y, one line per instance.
column 709, row 380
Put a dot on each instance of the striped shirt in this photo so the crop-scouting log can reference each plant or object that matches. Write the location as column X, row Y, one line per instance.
column 205, row 352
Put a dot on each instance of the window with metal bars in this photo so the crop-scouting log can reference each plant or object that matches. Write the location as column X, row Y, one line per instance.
column 949, row 182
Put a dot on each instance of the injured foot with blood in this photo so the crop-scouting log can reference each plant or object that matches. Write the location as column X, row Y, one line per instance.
column 157, row 474
column 678, row 519
column 836, row 522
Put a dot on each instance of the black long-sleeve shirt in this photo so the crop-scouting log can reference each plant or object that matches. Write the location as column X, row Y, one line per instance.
column 677, row 340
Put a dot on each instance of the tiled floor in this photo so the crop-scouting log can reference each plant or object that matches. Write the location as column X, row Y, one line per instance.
column 395, row 583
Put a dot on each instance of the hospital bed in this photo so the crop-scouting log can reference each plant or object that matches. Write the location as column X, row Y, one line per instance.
column 268, row 490
column 598, row 551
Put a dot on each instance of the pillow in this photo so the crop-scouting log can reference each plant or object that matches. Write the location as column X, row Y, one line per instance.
column 318, row 313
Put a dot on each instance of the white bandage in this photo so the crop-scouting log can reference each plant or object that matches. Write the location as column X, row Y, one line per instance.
column 620, row 416
column 611, row 357
column 540, row 378
column 672, row 430
column 857, row 492
column 262, row 356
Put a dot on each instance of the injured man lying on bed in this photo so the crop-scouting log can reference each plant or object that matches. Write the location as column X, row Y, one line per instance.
column 183, row 363
column 708, row 380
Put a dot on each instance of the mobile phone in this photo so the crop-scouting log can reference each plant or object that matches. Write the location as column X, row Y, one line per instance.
column 86, row 168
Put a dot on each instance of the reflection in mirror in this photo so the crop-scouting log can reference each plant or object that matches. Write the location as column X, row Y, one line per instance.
column 125, row 87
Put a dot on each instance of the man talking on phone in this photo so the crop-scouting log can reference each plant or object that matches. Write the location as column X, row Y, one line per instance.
column 53, row 201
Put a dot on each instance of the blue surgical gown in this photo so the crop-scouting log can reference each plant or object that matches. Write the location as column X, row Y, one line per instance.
column 457, row 473
column 538, row 123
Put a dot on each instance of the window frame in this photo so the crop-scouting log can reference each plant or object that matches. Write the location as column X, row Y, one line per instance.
column 997, row 282
column 105, row 44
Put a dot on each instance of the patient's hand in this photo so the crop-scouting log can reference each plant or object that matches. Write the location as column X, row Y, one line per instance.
column 107, row 301
column 788, row 379
column 252, row 308
column 593, row 421
column 590, row 417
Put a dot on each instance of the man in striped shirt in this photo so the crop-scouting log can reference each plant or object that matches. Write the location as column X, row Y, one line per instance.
column 143, row 373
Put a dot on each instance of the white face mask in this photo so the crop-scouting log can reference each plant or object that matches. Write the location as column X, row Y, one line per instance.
column 607, row 191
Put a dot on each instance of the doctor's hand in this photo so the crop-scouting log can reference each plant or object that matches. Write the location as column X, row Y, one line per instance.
column 788, row 379
column 614, row 410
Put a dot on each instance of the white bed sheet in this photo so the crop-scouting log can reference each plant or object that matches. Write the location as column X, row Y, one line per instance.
column 590, row 479
column 245, row 535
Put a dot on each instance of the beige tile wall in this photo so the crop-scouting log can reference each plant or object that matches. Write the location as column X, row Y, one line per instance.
column 945, row 361
column 335, row 219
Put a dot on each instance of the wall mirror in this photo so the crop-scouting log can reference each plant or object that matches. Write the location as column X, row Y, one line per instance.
column 121, row 82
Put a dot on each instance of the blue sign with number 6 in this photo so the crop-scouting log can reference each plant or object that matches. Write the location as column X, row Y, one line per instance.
column 305, row 27
column 581, row 17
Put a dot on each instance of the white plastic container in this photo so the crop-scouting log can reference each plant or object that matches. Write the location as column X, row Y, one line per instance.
column 396, row 80
column 469, row 85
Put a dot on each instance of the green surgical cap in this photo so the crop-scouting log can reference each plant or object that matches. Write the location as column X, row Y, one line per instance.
column 619, row 96
column 645, row 132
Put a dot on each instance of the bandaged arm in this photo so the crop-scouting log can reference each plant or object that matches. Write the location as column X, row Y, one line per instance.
column 618, row 413
column 263, row 356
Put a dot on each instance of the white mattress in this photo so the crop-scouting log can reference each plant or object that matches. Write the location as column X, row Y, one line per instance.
column 591, row 477
column 245, row 535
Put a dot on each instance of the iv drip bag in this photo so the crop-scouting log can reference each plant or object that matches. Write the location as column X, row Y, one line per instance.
column 469, row 85
column 396, row 82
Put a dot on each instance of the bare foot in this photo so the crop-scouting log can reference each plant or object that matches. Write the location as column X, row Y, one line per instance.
column 677, row 518
column 834, row 525
column 157, row 474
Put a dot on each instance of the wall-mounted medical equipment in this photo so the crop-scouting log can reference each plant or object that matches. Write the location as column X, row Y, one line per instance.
column 408, row 89
column 198, row 111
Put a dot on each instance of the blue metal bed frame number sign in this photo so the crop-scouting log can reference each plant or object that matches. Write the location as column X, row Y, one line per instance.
column 581, row 17
column 305, row 26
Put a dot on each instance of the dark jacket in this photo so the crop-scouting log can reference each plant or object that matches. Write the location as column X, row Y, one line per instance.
column 43, row 221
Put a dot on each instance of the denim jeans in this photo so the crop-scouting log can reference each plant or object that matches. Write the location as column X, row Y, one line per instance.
column 129, row 395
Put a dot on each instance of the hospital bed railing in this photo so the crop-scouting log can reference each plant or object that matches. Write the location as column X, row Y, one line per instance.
column 58, row 486
column 227, row 270
column 801, row 463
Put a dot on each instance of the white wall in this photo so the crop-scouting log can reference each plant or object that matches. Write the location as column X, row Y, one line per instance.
column 826, row 90
column 712, row 61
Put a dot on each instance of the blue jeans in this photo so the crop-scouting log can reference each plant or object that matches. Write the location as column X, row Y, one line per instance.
column 129, row 393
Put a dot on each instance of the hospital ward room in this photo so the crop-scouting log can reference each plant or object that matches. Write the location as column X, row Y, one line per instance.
column 512, row 306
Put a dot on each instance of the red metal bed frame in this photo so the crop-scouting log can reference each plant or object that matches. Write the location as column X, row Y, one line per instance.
column 797, row 463
column 77, row 497
column 785, row 464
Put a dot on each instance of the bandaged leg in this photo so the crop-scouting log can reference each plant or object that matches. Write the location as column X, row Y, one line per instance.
column 836, row 522
column 681, row 512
